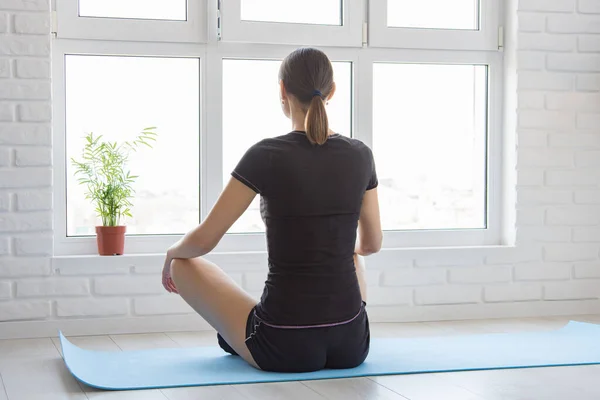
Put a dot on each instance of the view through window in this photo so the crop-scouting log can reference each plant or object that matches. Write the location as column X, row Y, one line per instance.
column 429, row 141
column 134, row 9
column 117, row 97
column 317, row 12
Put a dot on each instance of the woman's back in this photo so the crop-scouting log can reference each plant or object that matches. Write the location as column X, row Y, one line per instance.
column 317, row 190
column 311, row 198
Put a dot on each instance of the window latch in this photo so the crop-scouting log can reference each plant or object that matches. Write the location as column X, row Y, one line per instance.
column 500, row 38
column 219, row 20
column 54, row 24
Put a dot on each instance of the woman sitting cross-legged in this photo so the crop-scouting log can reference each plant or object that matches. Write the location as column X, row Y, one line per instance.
column 319, row 203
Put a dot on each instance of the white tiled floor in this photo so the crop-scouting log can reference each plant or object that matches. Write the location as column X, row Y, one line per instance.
column 32, row 369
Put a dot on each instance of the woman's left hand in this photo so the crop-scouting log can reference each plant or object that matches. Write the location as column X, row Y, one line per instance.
column 167, row 281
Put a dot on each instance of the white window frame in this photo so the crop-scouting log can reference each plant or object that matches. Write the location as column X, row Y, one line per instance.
column 491, row 235
column 211, row 141
column 85, row 245
column 349, row 34
column 485, row 38
column 70, row 25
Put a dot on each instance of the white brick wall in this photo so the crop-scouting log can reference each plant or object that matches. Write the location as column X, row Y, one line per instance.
column 542, row 271
column 559, row 99
column 34, row 200
column 554, row 55
column 546, row 6
column 20, row 267
column 128, row 285
column 161, row 305
column 513, row 292
column 16, row 310
column 53, row 287
column 482, row 274
column 92, row 307
column 415, row 277
column 586, row 270
column 5, row 290
column 26, row 287
column 455, row 294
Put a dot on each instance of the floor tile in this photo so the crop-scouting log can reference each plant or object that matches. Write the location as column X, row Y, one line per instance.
column 96, row 394
column 17, row 351
column 143, row 341
column 517, row 384
column 3, row 395
column 27, row 348
column 425, row 387
column 277, row 391
column 194, row 339
column 353, row 389
column 43, row 379
column 98, row 343
column 203, row 393
column 412, row 329
column 459, row 327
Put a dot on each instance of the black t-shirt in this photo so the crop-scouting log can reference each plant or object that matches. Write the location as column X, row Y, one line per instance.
column 311, row 198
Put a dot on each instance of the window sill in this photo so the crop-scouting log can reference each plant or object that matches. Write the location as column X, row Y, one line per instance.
column 149, row 263
column 257, row 260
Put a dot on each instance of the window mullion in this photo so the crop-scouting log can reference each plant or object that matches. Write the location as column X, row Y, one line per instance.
column 363, row 98
column 495, row 145
column 212, row 112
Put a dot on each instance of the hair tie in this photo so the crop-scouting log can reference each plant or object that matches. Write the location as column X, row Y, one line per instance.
column 317, row 93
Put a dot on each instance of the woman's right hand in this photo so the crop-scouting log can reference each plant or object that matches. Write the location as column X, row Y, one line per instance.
column 167, row 280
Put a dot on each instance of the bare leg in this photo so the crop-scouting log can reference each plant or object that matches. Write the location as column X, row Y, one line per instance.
column 359, row 263
column 217, row 298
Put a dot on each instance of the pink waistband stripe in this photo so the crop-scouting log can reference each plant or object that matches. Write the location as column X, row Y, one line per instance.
column 309, row 326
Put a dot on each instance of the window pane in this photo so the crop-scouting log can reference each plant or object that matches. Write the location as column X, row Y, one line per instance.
column 434, row 14
column 117, row 97
column 252, row 112
column 318, row 12
column 429, row 141
column 139, row 9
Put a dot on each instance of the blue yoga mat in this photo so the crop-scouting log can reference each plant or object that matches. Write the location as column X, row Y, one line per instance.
column 575, row 344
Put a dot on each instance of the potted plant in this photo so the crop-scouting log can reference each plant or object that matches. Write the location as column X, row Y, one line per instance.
column 103, row 170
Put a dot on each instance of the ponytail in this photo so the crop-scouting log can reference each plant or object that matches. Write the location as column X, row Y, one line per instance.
column 317, row 124
column 307, row 76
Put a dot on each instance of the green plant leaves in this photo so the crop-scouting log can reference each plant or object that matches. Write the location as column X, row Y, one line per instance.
column 102, row 171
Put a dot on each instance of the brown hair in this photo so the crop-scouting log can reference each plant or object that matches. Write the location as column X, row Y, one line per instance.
column 307, row 74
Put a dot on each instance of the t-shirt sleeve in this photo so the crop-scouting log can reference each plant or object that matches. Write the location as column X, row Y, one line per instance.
column 251, row 169
column 373, row 182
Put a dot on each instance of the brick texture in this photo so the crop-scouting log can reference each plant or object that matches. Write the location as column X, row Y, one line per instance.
column 556, row 79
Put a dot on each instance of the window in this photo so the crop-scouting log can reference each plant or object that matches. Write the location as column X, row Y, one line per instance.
column 293, row 22
column 434, row 24
column 137, row 9
column 205, row 74
column 432, row 171
column 318, row 12
column 174, row 21
column 152, row 92
column 456, row 14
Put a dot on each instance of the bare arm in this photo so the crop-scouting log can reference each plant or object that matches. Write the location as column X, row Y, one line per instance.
column 359, row 265
column 370, row 235
column 232, row 203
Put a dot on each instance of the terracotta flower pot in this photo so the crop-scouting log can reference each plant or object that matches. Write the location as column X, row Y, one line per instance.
column 111, row 240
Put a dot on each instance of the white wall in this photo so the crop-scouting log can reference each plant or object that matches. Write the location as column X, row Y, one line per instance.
column 552, row 120
column 25, row 158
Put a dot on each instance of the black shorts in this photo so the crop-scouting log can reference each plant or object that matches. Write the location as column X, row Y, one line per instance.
column 306, row 349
